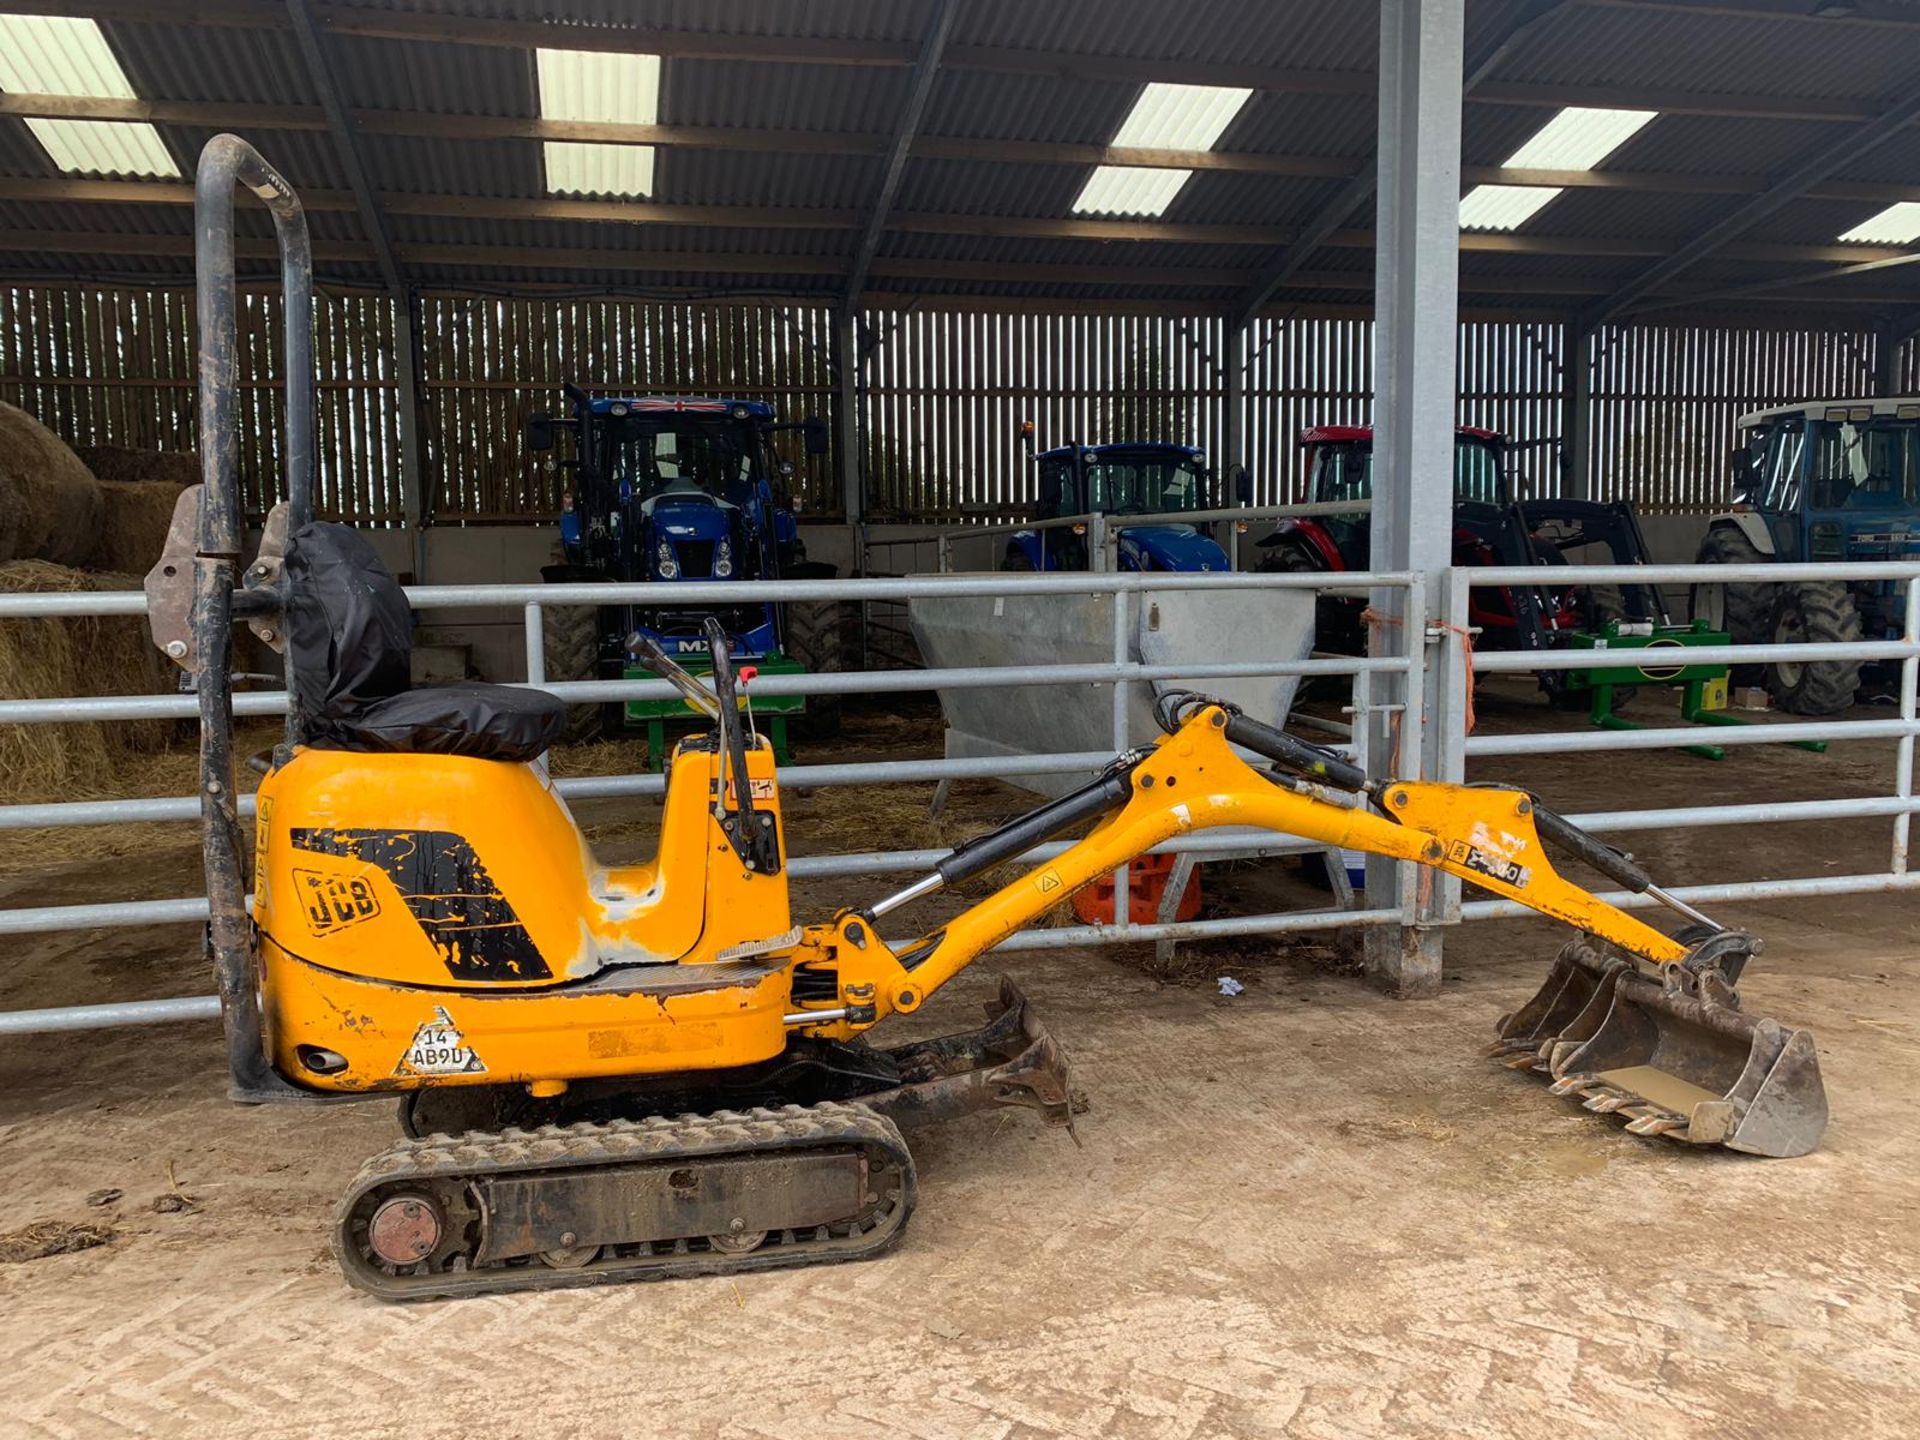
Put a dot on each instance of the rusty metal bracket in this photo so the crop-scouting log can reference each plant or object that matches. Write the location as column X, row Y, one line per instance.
column 169, row 584
column 264, row 575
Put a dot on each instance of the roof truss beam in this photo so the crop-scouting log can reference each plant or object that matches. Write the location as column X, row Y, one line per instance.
column 1360, row 189
column 319, row 67
column 1834, row 155
column 826, row 268
column 918, row 90
column 428, row 125
column 996, row 227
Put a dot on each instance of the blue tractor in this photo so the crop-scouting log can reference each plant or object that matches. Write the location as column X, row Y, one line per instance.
column 1126, row 478
column 1820, row 480
column 676, row 489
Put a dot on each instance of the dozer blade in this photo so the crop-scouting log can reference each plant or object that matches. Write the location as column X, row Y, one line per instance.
column 1675, row 1056
column 1568, row 1007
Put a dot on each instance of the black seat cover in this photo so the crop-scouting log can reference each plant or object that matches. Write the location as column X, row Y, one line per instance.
column 350, row 652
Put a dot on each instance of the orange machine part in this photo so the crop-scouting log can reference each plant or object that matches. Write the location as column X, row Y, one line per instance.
column 1146, row 883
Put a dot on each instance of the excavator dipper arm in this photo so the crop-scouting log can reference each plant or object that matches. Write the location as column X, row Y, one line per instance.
column 1192, row 780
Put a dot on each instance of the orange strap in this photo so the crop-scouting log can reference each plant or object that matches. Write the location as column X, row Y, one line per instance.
column 1373, row 617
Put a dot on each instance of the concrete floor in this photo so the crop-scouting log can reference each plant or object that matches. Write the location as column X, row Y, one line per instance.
column 1305, row 1211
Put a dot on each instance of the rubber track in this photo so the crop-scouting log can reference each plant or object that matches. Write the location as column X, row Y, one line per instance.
column 556, row 1148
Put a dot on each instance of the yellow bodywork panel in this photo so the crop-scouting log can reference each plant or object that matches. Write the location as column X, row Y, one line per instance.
column 394, row 890
column 439, row 920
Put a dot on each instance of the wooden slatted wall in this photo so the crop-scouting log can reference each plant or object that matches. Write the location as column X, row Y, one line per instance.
column 489, row 363
column 116, row 367
column 941, row 391
column 1665, row 401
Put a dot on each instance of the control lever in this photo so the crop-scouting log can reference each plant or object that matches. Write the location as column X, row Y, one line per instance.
column 752, row 832
column 647, row 651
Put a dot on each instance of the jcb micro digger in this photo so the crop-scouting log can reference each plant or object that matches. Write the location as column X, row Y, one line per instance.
column 623, row 1072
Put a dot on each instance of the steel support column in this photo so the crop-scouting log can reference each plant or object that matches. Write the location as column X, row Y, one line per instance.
column 1416, row 308
column 1233, row 435
column 1888, row 340
column 846, row 417
column 1576, row 423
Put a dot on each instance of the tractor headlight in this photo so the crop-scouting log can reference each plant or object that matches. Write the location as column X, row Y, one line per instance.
column 667, row 561
column 723, row 559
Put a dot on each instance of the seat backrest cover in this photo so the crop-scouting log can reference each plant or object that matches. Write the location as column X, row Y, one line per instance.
column 349, row 631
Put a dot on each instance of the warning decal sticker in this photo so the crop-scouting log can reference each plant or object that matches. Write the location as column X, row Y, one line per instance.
column 438, row 1048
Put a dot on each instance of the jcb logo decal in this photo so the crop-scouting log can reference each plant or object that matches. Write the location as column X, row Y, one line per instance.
column 333, row 902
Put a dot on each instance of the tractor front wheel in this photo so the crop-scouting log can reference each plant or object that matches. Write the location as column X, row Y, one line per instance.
column 1743, row 608
column 1814, row 612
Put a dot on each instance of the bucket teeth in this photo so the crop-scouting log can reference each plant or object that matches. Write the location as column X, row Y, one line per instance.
column 1656, row 1123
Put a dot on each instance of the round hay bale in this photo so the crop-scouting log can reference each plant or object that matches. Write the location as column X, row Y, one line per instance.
column 56, row 496
column 58, row 658
column 133, row 525
column 116, row 462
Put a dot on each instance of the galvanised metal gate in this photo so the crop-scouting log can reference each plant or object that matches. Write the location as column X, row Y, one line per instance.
column 1412, row 688
column 530, row 600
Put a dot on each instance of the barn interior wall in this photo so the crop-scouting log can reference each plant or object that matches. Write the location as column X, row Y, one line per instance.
column 941, row 391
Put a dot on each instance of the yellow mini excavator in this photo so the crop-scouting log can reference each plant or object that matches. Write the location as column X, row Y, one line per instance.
column 631, row 1072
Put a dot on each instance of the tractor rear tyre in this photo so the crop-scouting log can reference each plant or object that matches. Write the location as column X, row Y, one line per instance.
column 1814, row 612
column 573, row 653
column 1743, row 610
column 819, row 633
column 1017, row 559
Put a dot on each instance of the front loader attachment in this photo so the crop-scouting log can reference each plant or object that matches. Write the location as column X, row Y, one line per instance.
column 1672, row 1054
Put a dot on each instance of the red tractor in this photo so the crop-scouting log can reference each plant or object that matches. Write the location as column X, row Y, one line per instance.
column 1490, row 527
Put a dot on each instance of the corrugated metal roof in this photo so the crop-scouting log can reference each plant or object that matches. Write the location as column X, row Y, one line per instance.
column 1708, row 56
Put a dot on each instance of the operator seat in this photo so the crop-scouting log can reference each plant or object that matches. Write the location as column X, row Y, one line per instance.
column 350, row 656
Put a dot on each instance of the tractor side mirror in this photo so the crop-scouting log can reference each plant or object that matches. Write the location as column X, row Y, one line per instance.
column 786, row 468
column 1025, row 431
column 1241, row 483
column 539, row 433
column 814, row 430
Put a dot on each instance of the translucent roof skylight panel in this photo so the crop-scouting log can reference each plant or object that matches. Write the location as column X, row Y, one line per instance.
column 1579, row 138
column 1180, row 117
column 1898, row 224
column 1129, row 190
column 580, row 169
column 104, row 147
column 56, row 55
column 1503, row 207
column 593, row 85
column 596, row 85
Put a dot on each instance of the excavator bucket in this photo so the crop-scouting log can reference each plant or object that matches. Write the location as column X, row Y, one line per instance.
column 1672, row 1055
column 1567, row 1008
column 1675, row 1056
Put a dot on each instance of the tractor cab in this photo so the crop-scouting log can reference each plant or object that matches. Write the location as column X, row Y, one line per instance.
column 673, row 489
column 1131, row 478
column 1340, row 469
column 1833, row 480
